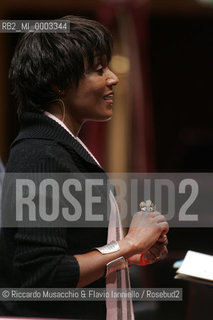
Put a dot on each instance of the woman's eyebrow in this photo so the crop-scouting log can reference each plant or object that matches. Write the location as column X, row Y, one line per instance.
column 100, row 59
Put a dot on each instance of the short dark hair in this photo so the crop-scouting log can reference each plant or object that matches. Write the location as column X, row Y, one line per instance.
column 45, row 59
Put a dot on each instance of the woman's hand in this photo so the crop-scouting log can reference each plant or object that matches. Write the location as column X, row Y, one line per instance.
column 146, row 229
column 157, row 252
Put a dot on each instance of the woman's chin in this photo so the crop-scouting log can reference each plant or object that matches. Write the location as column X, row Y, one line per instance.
column 102, row 118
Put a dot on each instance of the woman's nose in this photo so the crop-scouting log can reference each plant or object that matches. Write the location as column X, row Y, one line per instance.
column 112, row 79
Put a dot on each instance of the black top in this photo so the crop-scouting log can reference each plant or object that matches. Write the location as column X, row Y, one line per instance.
column 44, row 257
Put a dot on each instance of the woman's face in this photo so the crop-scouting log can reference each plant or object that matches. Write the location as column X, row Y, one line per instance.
column 93, row 98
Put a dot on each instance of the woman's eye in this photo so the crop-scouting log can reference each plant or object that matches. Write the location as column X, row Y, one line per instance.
column 100, row 71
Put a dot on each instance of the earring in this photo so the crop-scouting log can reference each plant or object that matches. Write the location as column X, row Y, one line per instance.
column 63, row 108
column 60, row 102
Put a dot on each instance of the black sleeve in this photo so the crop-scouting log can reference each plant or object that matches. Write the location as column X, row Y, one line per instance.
column 40, row 256
column 41, row 259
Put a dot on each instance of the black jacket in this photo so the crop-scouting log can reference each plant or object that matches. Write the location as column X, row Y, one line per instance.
column 43, row 257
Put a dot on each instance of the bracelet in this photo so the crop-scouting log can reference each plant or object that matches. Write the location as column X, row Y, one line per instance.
column 115, row 265
column 111, row 247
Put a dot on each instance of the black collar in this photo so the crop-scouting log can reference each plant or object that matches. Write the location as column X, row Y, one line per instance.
column 40, row 126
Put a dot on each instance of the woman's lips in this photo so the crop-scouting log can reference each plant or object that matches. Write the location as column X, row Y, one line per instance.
column 109, row 98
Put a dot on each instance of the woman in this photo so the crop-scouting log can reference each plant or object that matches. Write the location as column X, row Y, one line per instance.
column 61, row 80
